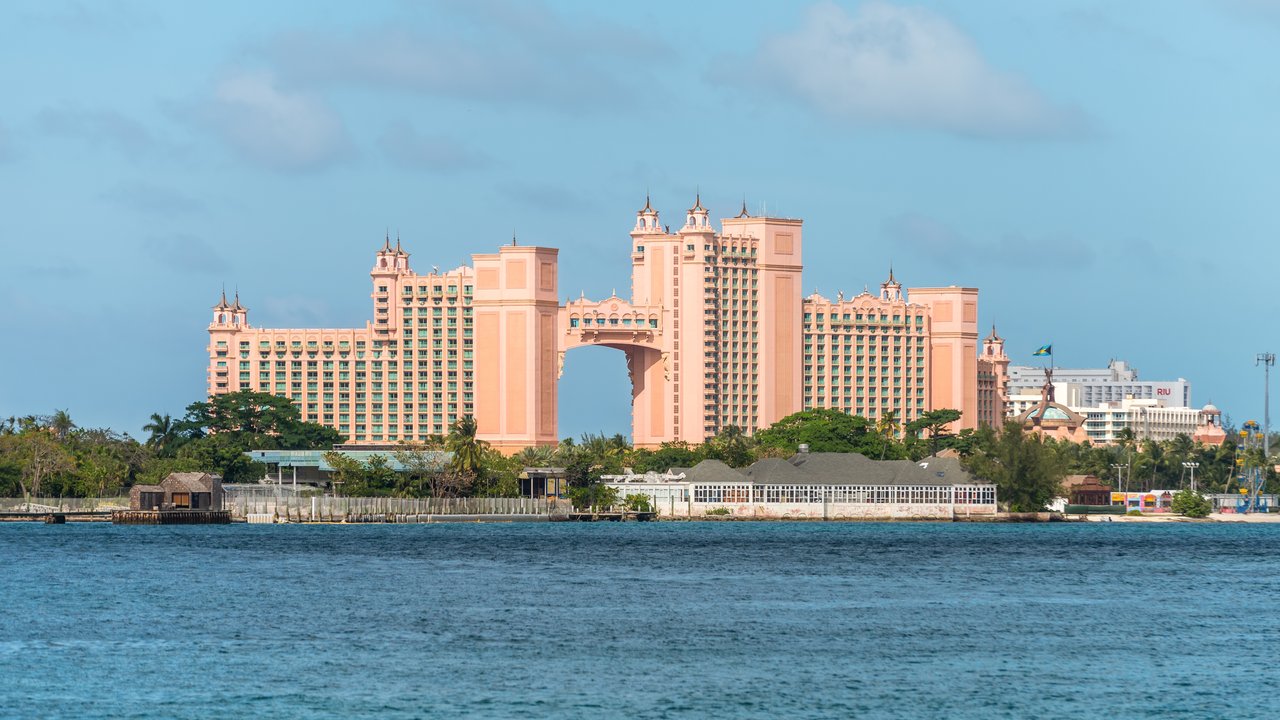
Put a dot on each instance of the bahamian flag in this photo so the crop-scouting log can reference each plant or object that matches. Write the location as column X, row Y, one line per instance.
column 1043, row 351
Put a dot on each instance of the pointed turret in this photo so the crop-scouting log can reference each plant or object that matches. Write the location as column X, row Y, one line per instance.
column 647, row 219
column 224, row 313
column 993, row 346
column 391, row 260
column 697, row 219
column 891, row 289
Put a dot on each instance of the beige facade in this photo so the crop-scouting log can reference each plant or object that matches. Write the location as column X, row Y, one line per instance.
column 716, row 334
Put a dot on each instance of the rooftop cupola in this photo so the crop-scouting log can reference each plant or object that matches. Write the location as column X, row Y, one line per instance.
column 391, row 260
column 891, row 289
column 230, row 314
column 647, row 219
column 993, row 344
column 697, row 219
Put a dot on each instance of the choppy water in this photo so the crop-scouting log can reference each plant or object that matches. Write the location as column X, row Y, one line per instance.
column 741, row 620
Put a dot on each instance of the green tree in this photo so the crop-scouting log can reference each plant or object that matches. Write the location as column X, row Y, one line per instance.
column 731, row 446
column 668, row 455
column 1026, row 469
column 934, row 424
column 1191, row 504
column 222, row 454
column 822, row 429
column 638, row 502
column 162, row 433
column 467, row 450
column 499, row 475
column 60, row 423
column 348, row 475
column 101, row 472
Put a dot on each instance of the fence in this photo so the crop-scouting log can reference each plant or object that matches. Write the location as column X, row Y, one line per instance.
column 63, row 504
column 383, row 509
column 300, row 508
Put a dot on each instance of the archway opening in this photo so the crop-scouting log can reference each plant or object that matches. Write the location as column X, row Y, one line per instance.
column 595, row 393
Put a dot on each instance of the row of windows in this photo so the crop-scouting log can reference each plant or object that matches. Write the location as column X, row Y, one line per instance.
column 866, row 494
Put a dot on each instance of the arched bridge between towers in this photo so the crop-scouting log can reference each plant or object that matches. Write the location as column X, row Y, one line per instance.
column 636, row 330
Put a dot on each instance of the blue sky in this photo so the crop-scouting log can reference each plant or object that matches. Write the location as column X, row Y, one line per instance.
column 1105, row 172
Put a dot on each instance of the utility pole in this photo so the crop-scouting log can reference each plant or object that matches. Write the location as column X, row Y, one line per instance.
column 1266, row 360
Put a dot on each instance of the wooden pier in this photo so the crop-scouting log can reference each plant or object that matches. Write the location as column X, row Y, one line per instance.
column 170, row 517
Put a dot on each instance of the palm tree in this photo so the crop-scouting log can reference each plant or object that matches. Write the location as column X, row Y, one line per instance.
column 163, row 432
column 61, row 424
column 537, row 456
column 467, row 451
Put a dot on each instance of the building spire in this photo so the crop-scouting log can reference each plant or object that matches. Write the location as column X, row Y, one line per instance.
column 744, row 213
column 697, row 202
column 386, row 244
column 399, row 250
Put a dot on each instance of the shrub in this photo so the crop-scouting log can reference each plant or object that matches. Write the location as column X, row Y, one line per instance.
column 638, row 503
column 719, row 511
column 594, row 495
column 1191, row 504
column 1134, row 513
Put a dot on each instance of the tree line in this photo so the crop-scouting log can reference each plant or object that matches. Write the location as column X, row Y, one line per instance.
column 51, row 456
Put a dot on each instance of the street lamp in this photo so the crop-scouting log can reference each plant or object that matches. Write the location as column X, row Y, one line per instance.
column 1266, row 360
column 1119, row 467
column 1192, row 466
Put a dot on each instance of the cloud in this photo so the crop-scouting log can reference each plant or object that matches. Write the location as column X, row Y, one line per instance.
column 1253, row 10
column 543, row 195
column 114, row 16
column 283, row 129
column 99, row 128
column 403, row 146
column 898, row 66
column 185, row 253
column 947, row 247
column 151, row 199
column 494, row 51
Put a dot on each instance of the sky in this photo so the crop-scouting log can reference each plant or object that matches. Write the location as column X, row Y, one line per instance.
column 1105, row 173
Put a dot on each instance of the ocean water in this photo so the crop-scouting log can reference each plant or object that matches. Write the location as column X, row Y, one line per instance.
column 646, row 620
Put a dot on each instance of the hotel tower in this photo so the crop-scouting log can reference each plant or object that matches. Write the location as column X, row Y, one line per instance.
column 715, row 333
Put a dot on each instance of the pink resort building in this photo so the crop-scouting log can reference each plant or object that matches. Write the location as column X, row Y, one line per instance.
column 715, row 332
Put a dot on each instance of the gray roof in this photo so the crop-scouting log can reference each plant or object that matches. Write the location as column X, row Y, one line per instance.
column 713, row 471
column 775, row 471
column 189, row 481
column 852, row 468
column 833, row 469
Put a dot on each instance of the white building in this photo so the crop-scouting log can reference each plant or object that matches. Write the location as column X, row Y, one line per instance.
column 815, row 486
column 1095, row 387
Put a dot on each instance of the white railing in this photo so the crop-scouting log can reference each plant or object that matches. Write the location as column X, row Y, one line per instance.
column 39, row 504
column 340, row 509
